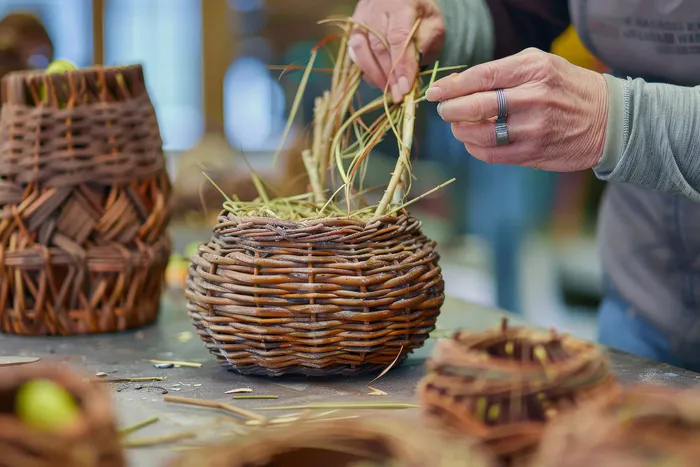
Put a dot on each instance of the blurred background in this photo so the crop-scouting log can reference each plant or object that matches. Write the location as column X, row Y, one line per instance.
column 515, row 238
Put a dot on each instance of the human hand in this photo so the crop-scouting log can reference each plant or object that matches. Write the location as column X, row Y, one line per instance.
column 393, row 20
column 557, row 112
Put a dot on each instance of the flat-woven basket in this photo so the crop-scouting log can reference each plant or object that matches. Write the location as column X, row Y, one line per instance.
column 84, row 203
column 322, row 297
column 644, row 426
column 368, row 442
column 503, row 386
column 93, row 443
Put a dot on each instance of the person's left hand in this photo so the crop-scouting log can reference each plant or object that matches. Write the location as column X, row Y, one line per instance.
column 557, row 112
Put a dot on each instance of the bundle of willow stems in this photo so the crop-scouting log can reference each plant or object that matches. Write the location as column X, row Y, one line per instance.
column 337, row 153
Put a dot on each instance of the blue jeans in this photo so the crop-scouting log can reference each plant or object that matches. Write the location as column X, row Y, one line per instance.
column 621, row 327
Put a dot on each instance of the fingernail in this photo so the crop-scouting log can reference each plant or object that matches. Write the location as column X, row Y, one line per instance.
column 351, row 53
column 404, row 86
column 439, row 108
column 396, row 95
column 433, row 94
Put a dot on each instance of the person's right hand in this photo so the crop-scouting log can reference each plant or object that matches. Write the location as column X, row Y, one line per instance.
column 394, row 20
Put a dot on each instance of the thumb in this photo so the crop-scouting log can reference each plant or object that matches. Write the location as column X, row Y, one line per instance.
column 444, row 88
column 403, row 56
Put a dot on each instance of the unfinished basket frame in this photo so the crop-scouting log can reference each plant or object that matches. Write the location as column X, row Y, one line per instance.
column 335, row 296
column 642, row 426
column 371, row 441
column 84, row 203
column 503, row 386
column 93, row 443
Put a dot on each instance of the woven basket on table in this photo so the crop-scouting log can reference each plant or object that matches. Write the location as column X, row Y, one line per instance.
column 361, row 442
column 94, row 442
column 644, row 426
column 321, row 297
column 84, row 203
column 503, row 386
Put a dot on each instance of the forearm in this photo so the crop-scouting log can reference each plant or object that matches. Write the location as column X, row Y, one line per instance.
column 653, row 137
column 478, row 31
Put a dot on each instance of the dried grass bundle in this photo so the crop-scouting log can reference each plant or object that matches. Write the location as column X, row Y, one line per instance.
column 503, row 386
column 341, row 141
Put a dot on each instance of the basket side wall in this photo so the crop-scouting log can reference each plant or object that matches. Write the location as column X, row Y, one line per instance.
column 318, row 299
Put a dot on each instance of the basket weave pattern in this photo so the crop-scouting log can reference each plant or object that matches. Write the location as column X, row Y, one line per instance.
column 84, row 203
column 321, row 297
column 503, row 386
column 643, row 426
column 93, row 443
column 363, row 442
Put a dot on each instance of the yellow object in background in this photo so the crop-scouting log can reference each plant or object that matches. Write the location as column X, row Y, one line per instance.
column 176, row 273
column 570, row 47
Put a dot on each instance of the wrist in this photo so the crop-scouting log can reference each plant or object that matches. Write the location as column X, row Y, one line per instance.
column 615, row 126
column 600, row 100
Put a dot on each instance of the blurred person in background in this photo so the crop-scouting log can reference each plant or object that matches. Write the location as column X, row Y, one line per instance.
column 24, row 43
column 638, row 128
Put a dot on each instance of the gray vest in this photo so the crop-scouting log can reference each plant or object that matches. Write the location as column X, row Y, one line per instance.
column 650, row 242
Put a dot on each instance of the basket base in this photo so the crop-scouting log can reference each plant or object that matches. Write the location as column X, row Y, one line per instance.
column 112, row 290
column 145, row 314
column 258, row 362
column 341, row 370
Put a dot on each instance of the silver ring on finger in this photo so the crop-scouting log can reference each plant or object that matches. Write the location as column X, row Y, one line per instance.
column 502, row 137
column 502, row 103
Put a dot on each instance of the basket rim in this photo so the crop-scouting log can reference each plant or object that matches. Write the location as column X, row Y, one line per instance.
column 27, row 74
column 387, row 218
column 20, row 82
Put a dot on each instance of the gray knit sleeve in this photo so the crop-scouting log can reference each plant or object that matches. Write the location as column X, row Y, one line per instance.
column 469, row 36
column 653, row 137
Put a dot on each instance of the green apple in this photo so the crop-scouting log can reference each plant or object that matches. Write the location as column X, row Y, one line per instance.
column 45, row 405
column 60, row 66
column 56, row 67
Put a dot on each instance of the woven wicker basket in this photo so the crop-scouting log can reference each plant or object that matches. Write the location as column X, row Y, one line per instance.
column 642, row 427
column 370, row 442
column 84, row 203
column 93, row 443
column 503, row 386
column 322, row 297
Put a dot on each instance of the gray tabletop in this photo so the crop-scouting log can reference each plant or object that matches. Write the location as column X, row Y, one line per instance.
column 172, row 338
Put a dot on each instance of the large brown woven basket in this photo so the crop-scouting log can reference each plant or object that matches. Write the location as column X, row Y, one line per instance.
column 370, row 442
column 84, row 203
column 321, row 297
column 503, row 386
column 643, row 426
column 93, row 443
